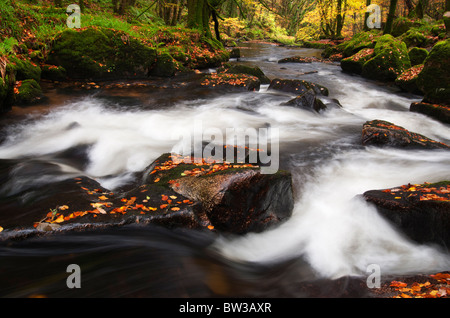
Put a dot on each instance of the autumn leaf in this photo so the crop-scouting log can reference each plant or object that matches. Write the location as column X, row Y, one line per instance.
column 63, row 207
column 175, row 209
column 103, row 198
column 1, row 229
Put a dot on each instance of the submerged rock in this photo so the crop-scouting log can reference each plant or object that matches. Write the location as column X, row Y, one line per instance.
column 383, row 133
column 308, row 100
column 421, row 212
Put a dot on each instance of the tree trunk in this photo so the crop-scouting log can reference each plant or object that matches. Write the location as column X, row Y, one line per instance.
column 366, row 15
column 447, row 16
column 198, row 16
column 390, row 17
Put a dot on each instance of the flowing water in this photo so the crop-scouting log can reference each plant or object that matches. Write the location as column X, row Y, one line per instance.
column 110, row 135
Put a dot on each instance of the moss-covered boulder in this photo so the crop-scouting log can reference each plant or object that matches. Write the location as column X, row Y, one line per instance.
column 360, row 41
column 53, row 72
column 414, row 38
column 244, row 69
column 354, row 63
column 25, row 69
column 390, row 59
column 434, row 80
column 407, row 81
column 28, row 92
column 100, row 53
column 401, row 25
column 417, row 55
column 165, row 66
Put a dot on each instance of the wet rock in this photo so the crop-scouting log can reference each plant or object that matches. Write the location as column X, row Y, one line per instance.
column 438, row 112
column 225, row 81
column 421, row 212
column 233, row 198
column 29, row 92
column 244, row 69
column 383, row 133
column 308, row 100
column 297, row 86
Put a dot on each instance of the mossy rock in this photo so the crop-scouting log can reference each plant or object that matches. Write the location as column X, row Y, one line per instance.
column 417, row 55
column 407, row 81
column 53, row 73
column 100, row 53
column 165, row 66
column 434, row 80
column 401, row 25
column 29, row 92
column 360, row 41
column 354, row 63
column 414, row 38
column 244, row 69
column 390, row 60
column 25, row 69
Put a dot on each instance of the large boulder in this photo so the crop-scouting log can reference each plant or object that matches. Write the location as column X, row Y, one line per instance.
column 173, row 192
column 434, row 80
column 407, row 81
column 438, row 112
column 354, row 63
column 360, row 41
column 420, row 211
column 383, row 133
column 244, row 69
column 100, row 53
column 390, row 59
column 308, row 100
column 417, row 55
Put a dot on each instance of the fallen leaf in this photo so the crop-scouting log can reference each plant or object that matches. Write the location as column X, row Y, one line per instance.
column 175, row 209
column 103, row 198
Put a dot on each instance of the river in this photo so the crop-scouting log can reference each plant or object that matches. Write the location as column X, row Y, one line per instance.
column 110, row 135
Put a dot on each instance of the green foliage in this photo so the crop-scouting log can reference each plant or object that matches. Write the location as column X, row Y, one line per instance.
column 6, row 47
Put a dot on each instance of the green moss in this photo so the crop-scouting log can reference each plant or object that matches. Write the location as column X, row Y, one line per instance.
column 413, row 38
column 53, row 73
column 25, row 69
column 401, row 25
column 354, row 63
column 390, row 59
column 360, row 41
column 165, row 66
column 417, row 55
column 101, row 53
column 434, row 80
column 29, row 92
column 245, row 69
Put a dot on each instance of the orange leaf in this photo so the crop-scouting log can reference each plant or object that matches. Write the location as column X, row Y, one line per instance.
column 103, row 198
column 175, row 209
